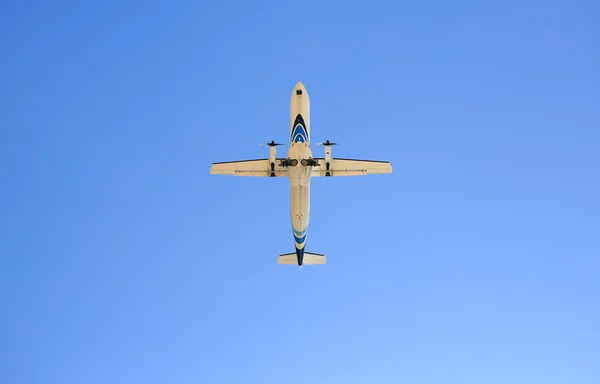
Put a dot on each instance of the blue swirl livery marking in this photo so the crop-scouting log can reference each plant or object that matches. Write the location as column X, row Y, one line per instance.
column 299, row 133
column 300, row 240
column 300, row 236
column 300, row 233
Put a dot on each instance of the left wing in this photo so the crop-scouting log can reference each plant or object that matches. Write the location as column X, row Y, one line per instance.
column 257, row 168
column 351, row 167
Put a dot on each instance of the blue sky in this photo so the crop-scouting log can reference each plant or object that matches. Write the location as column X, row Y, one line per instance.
column 123, row 261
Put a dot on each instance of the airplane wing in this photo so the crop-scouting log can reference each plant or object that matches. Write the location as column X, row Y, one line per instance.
column 351, row 167
column 257, row 168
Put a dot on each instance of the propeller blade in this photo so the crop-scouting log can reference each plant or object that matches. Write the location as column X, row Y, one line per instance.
column 271, row 144
column 327, row 143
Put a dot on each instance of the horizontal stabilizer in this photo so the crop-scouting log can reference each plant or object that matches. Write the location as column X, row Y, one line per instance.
column 314, row 258
column 307, row 258
column 288, row 258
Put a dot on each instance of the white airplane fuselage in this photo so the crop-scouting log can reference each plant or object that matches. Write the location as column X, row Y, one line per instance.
column 300, row 174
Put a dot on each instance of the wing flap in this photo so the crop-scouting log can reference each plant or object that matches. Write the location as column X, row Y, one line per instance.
column 256, row 168
column 351, row 167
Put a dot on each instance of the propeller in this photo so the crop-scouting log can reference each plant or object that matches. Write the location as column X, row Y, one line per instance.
column 327, row 143
column 271, row 144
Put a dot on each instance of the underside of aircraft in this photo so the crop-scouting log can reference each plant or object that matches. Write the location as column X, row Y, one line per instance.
column 299, row 166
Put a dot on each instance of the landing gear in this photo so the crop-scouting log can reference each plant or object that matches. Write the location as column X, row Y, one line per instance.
column 310, row 162
column 294, row 162
column 288, row 163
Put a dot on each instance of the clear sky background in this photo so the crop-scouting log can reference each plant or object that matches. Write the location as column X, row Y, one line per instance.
column 476, row 261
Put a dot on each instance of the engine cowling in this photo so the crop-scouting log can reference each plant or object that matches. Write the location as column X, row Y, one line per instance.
column 327, row 146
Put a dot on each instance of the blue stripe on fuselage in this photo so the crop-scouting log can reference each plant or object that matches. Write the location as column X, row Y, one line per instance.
column 300, row 233
column 300, row 240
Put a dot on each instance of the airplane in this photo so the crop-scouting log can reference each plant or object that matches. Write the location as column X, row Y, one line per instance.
column 299, row 167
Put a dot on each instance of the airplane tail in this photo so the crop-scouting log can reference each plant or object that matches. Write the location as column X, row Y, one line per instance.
column 308, row 259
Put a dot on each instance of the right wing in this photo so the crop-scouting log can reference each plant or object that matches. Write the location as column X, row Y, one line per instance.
column 351, row 167
column 258, row 167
